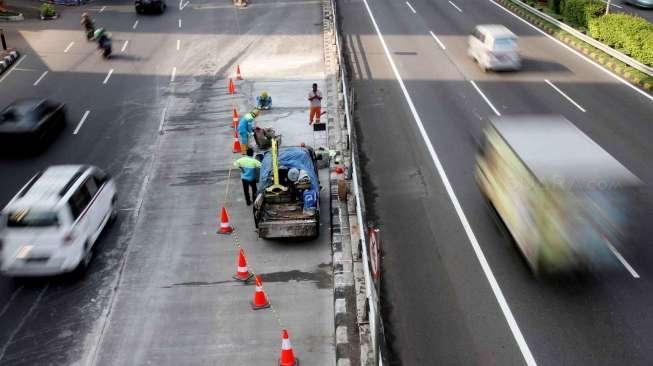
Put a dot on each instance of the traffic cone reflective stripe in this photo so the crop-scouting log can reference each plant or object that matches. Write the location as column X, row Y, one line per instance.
column 260, row 298
column 225, row 228
column 287, row 356
column 235, row 117
column 242, row 273
column 238, row 76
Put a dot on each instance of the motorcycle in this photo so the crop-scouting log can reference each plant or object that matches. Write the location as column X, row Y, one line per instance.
column 104, row 44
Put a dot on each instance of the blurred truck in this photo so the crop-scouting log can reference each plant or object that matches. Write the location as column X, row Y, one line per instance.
column 567, row 203
column 287, row 203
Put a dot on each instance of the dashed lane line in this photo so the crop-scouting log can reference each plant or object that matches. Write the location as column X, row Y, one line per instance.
column 70, row 45
column 565, row 95
column 81, row 122
column 124, row 46
column 486, row 99
column 135, row 25
column 106, row 79
column 411, row 7
column 174, row 73
column 40, row 78
column 438, row 40
column 456, row 6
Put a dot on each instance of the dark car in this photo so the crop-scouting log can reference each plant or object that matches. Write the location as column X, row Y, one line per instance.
column 30, row 123
column 150, row 6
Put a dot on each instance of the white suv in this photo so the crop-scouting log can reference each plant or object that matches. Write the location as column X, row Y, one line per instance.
column 50, row 226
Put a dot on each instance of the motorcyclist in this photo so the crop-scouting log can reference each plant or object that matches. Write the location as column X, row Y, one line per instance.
column 103, row 40
column 89, row 26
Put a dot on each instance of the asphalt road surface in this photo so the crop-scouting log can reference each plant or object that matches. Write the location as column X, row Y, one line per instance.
column 114, row 110
column 442, row 304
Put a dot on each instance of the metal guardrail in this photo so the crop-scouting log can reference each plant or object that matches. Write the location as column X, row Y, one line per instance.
column 373, row 315
column 603, row 47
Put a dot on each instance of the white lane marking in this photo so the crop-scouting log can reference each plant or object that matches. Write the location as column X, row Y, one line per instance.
column 102, row 9
column 613, row 4
column 163, row 120
column 174, row 72
column 622, row 80
column 181, row 7
column 486, row 99
column 437, row 40
column 565, row 95
column 135, row 25
column 178, row 44
column 81, row 122
column 124, row 46
column 11, row 299
column 623, row 261
column 13, row 68
column 485, row 266
column 456, row 6
column 106, row 79
column 179, row 23
column 180, row 3
column 20, row 325
column 40, row 78
column 69, row 46
column 411, row 7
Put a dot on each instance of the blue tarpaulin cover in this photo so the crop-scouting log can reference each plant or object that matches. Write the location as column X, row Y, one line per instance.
column 291, row 157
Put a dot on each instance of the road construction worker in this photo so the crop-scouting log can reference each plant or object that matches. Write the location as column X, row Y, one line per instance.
column 315, row 99
column 245, row 127
column 264, row 101
column 249, row 168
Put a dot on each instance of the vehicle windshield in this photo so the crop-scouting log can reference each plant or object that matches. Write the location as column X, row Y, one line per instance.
column 32, row 218
column 505, row 43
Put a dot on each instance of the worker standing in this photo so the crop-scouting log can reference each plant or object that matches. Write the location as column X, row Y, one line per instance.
column 315, row 97
column 249, row 168
column 245, row 127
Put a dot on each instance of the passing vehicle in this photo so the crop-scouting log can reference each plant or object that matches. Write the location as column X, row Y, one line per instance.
column 29, row 124
column 641, row 3
column 287, row 203
column 566, row 202
column 494, row 47
column 53, row 222
column 150, row 6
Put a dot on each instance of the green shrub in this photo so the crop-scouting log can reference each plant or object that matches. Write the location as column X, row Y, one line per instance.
column 577, row 13
column 573, row 13
column 628, row 33
column 554, row 5
column 47, row 10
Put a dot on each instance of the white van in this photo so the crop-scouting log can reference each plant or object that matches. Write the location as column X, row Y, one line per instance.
column 494, row 47
column 50, row 226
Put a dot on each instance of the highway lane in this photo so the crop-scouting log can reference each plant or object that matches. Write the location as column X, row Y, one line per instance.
column 556, row 318
column 47, row 321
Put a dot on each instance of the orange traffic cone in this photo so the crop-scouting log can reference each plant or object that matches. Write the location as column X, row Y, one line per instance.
column 238, row 76
column 242, row 273
column 236, row 147
column 235, row 117
column 225, row 228
column 260, row 298
column 232, row 87
column 287, row 356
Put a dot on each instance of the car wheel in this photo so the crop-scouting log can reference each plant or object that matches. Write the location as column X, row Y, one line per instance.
column 84, row 263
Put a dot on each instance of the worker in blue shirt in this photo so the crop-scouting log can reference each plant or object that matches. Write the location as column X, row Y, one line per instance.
column 264, row 101
column 249, row 168
column 245, row 127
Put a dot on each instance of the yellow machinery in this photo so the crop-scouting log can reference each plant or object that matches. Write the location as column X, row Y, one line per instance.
column 275, row 188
